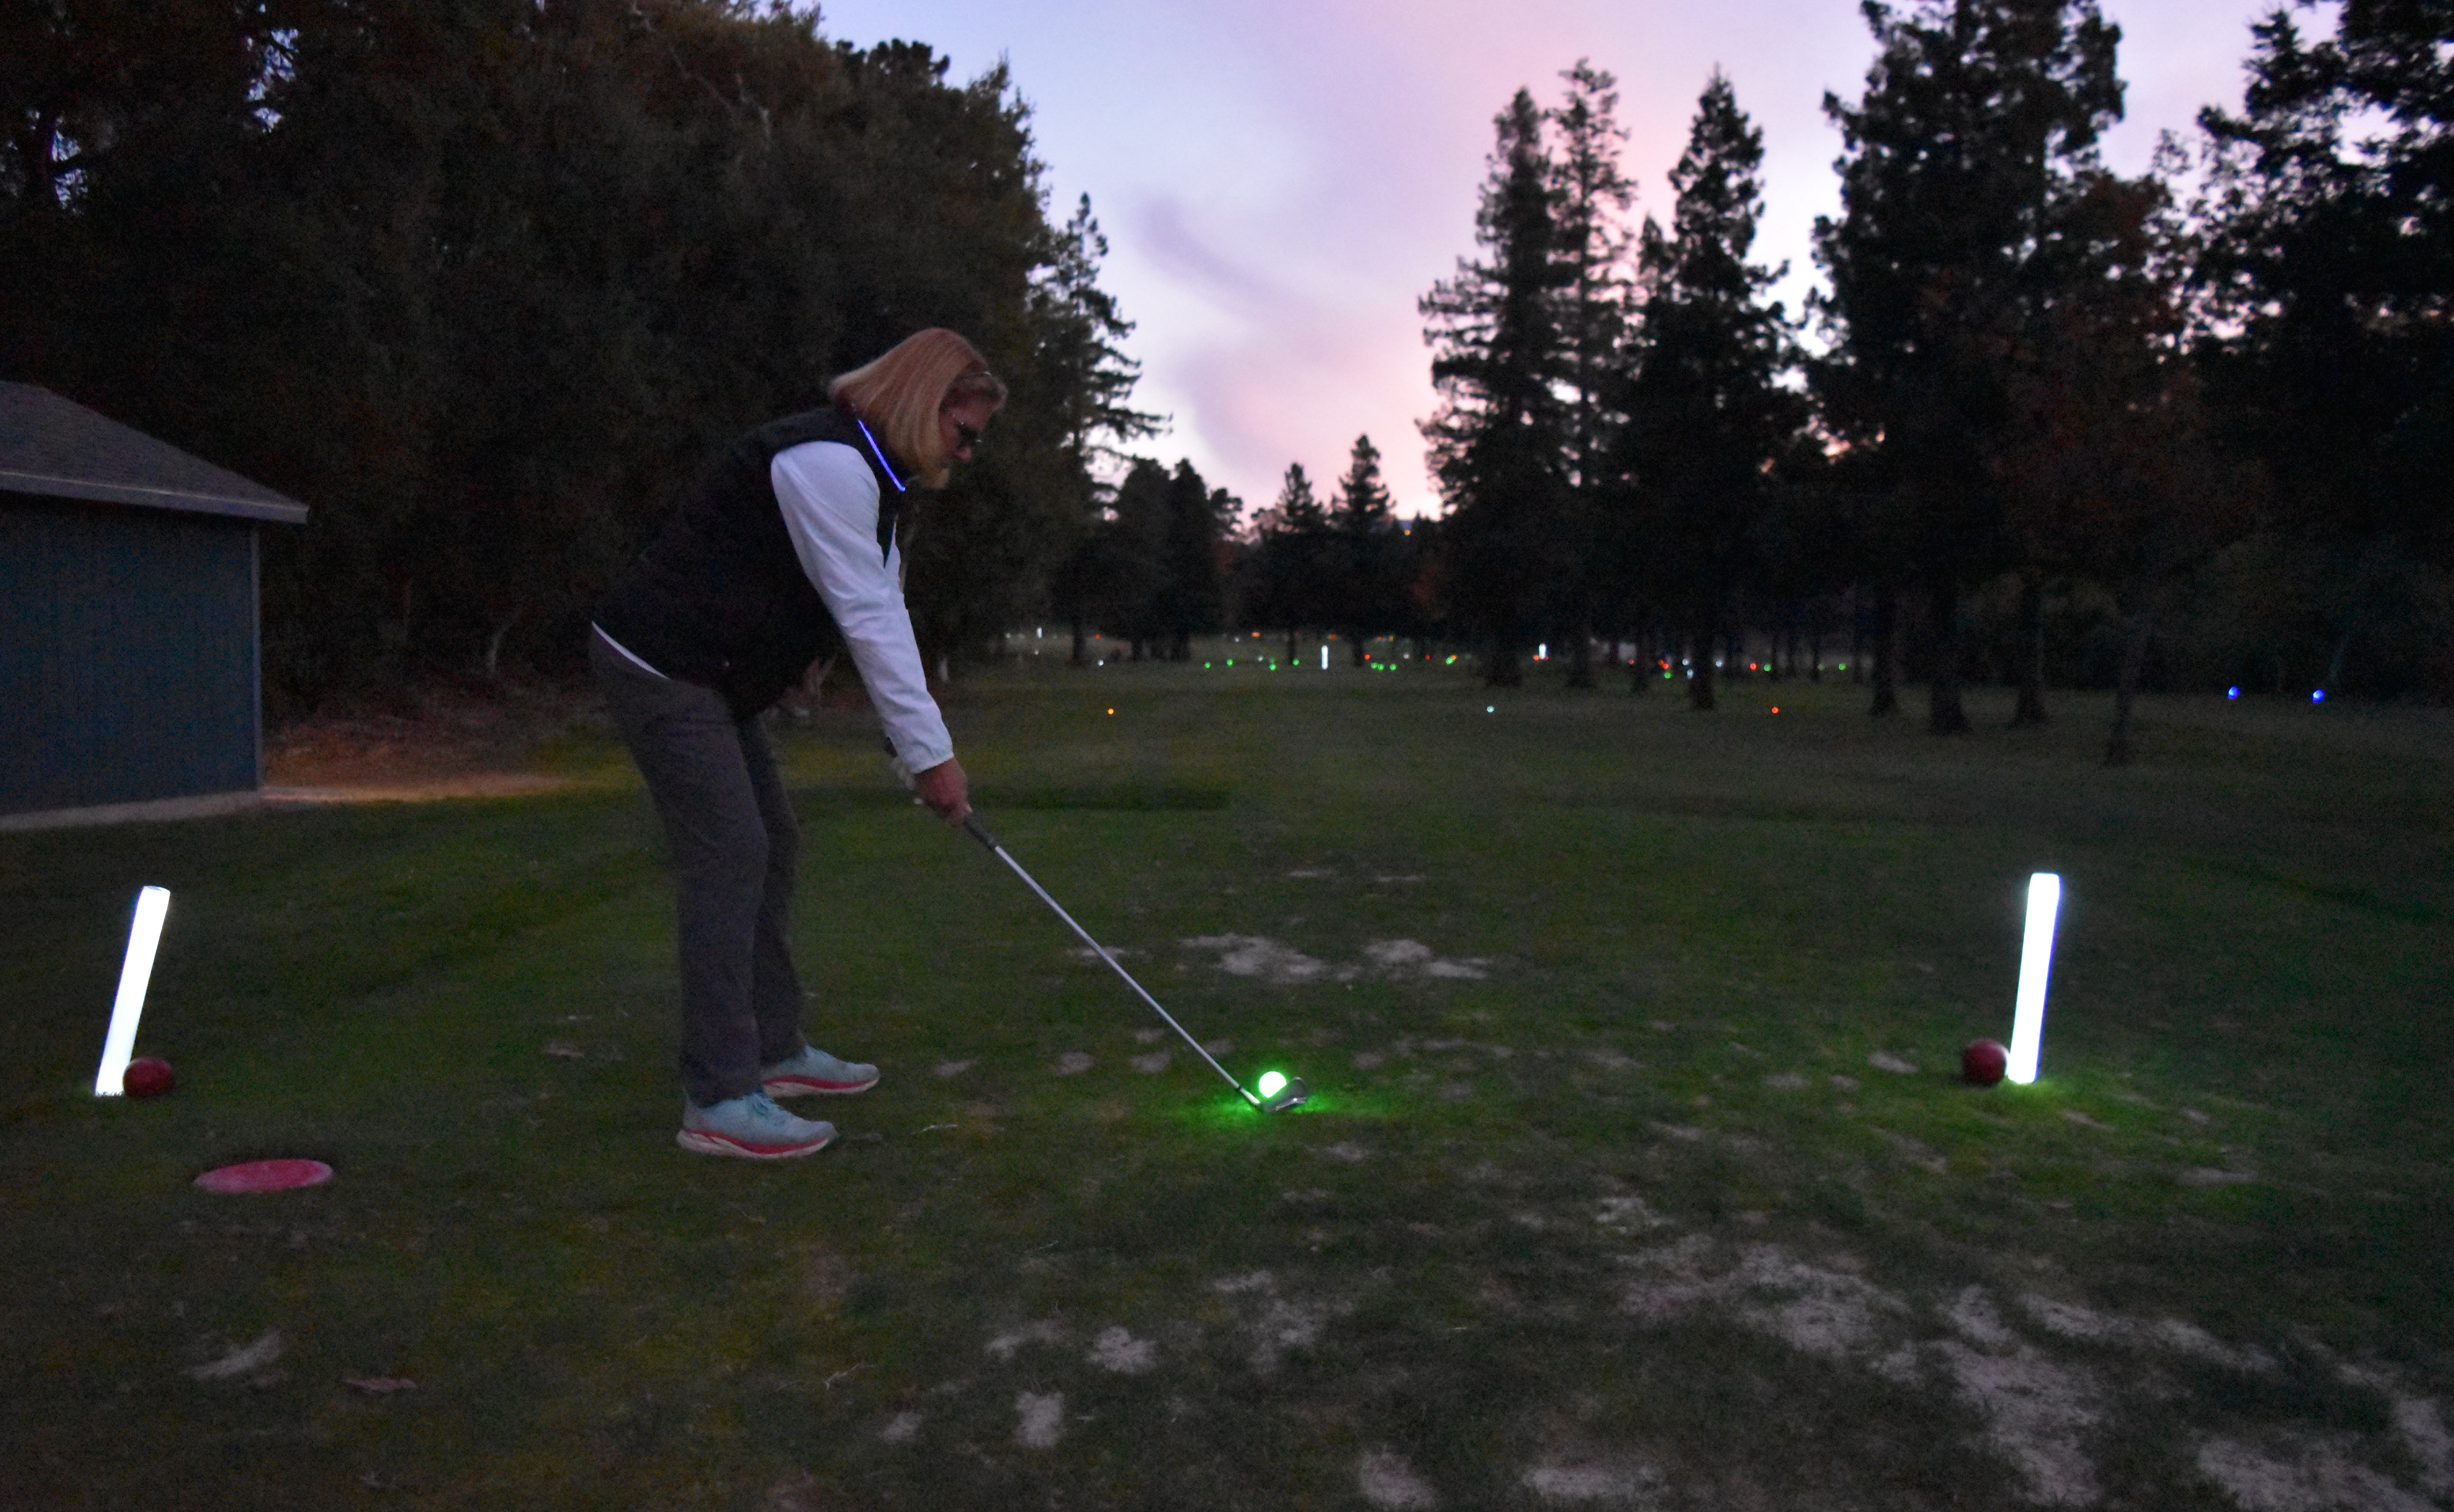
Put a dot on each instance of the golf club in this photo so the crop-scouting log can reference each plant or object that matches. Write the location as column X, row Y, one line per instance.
column 1288, row 1093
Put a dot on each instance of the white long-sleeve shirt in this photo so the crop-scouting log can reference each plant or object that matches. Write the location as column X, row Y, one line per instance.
column 829, row 496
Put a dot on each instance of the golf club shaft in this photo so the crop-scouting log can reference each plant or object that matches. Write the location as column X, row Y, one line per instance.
column 981, row 832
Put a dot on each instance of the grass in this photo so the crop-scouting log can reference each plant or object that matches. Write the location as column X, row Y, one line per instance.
column 1620, row 1210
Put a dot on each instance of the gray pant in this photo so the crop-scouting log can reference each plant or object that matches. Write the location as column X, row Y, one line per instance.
column 732, row 840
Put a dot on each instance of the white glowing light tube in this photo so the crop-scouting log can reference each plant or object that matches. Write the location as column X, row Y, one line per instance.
column 152, row 905
column 2036, row 960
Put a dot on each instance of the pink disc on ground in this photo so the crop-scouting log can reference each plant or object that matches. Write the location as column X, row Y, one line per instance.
column 265, row 1176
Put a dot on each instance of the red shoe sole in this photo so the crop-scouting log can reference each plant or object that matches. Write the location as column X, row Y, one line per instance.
column 701, row 1143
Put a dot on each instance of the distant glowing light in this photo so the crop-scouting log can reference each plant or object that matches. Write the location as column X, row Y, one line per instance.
column 2317, row 695
column 1542, row 651
column 1490, row 708
column 2232, row 692
column 144, row 935
column 2036, row 960
column 1324, row 658
column 1776, row 708
column 1112, row 710
column 1271, row 1085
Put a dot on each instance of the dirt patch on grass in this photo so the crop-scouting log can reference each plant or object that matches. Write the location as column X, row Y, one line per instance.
column 441, row 741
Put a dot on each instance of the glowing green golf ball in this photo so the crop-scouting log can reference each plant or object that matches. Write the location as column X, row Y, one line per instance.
column 1271, row 1085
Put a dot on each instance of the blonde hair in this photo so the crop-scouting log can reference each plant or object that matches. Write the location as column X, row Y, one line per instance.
column 901, row 393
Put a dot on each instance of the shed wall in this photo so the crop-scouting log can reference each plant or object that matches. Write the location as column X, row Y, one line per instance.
column 127, row 656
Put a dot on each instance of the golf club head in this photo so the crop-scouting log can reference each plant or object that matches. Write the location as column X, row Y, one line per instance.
column 1290, row 1096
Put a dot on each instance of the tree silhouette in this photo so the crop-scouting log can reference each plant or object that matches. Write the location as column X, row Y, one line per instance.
column 1496, row 436
column 1367, row 549
column 1593, row 195
column 1979, row 116
column 484, row 283
column 2328, row 267
column 1290, row 565
column 1708, row 418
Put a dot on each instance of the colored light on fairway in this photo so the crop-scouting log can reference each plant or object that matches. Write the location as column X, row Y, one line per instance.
column 2036, row 958
column 2317, row 695
column 1271, row 1085
column 144, row 935
column 2232, row 692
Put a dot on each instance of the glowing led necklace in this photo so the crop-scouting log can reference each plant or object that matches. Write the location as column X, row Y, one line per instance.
column 884, row 466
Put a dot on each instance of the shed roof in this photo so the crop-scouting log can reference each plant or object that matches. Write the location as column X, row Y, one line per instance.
column 59, row 449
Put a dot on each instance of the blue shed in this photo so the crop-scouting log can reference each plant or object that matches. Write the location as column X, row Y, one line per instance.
column 129, row 657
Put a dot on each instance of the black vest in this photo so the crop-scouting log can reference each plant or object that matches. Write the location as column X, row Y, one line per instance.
column 720, row 598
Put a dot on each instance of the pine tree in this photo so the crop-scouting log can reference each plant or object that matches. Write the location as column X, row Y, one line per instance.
column 1298, row 509
column 1497, row 437
column 1367, row 537
column 1708, row 418
column 1594, row 195
column 1192, row 594
column 1979, row 118
column 2328, row 269
column 1288, row 560
column 1363, row 502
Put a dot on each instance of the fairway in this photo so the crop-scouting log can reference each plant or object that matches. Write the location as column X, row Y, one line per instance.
column 1636, row 1170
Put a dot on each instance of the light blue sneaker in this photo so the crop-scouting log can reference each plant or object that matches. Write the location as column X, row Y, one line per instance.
column 752, row 1127
column 814, row 1070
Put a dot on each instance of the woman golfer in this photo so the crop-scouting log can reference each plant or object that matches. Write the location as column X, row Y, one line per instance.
column 783, row 551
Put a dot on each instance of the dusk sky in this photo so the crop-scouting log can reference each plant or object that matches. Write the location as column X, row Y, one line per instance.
column 1280, row 180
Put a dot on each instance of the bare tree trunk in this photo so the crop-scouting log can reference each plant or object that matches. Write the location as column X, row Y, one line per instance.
column 1699, row 675
column 494, row 643
column 2031, row 712
column 1506, row 666
column 1944, row 715
column 2334, row 672
column 2134, row 635
column 1857, row 667
column 1888, row 624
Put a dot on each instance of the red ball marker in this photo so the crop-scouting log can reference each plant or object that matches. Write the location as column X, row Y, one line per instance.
column 148, row 1076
